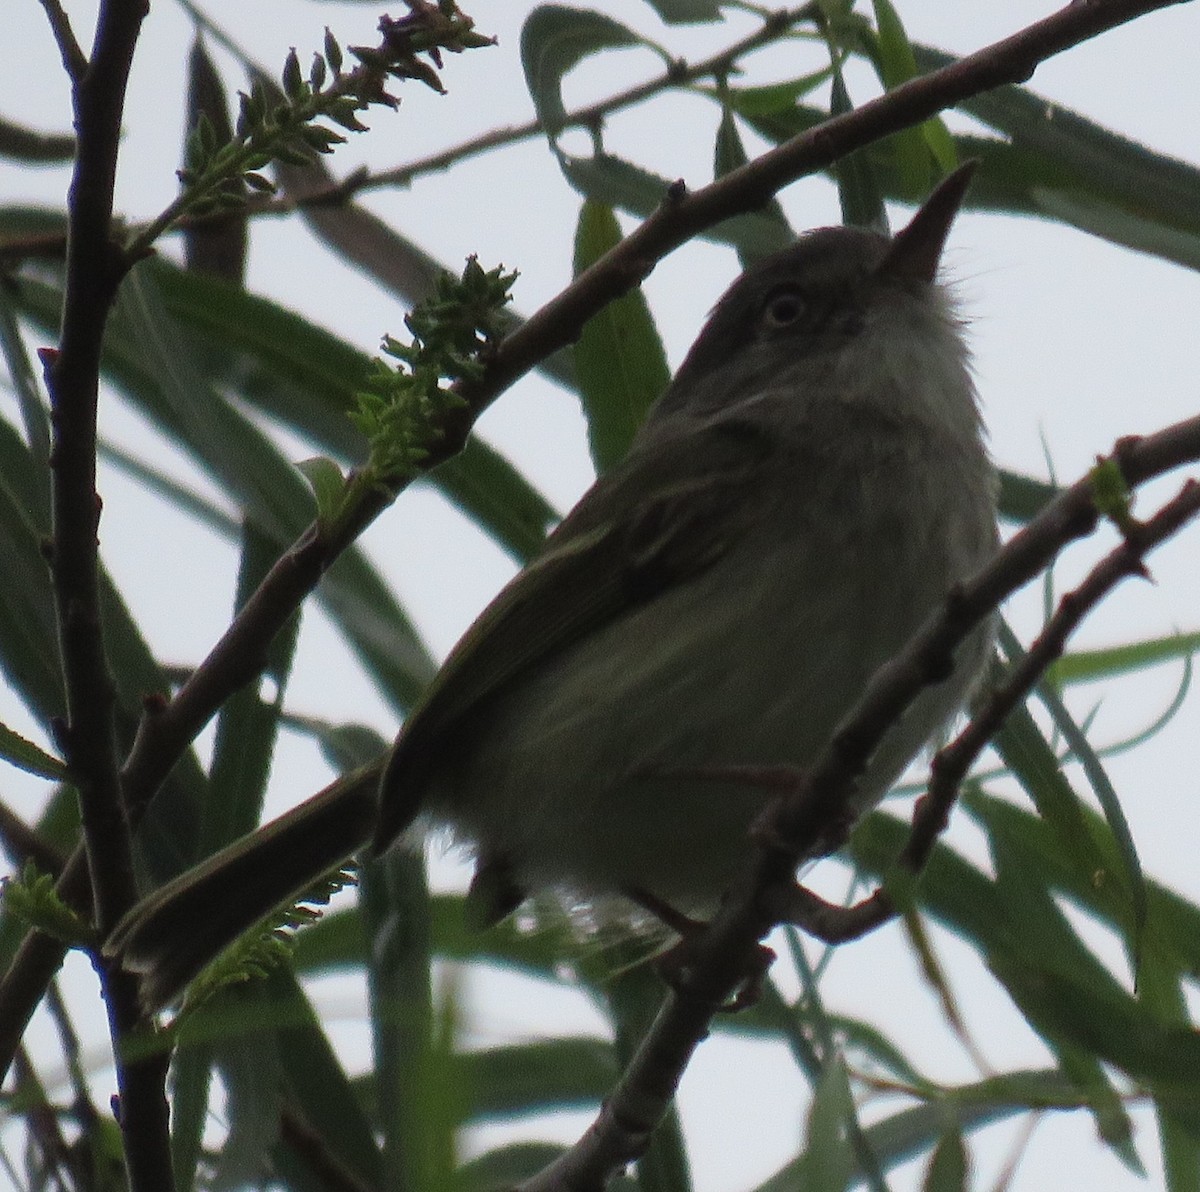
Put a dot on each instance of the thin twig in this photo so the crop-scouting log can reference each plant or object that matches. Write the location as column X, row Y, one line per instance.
column 677, row 74
column 73, row 58
column 951, row 765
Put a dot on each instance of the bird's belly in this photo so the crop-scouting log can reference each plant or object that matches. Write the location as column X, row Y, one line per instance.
column 603, row 772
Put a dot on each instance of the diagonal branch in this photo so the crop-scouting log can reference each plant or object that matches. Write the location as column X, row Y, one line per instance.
column 836, row 924
column 73, row 58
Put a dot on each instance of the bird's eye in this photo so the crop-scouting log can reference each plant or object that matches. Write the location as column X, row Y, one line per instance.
column 783, row 308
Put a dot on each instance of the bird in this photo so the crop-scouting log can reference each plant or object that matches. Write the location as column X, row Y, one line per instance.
column 807, row 490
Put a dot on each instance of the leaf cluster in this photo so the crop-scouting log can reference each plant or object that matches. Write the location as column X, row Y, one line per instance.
column 401, row 409
column 33, row 898
column 260, row 951
column 282, row 122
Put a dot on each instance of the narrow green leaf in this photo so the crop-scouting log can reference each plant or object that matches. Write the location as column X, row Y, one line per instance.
column 34, row 416
column 28, row 631
column 545, row 1076
column 511, row 1165
column 1062, row 164
column 1115, row 1028
column 769, row 99
column 252, row 1075
column 897, row 65
column 620, row 363
column 828, row 1161
column 1162, row 991
column 1022, row 498
column 810, row 1009
column 27, row 144
column 1173, row 923
column 191, row 1079
column 618, row 183
column 490, row 491
column 338, row 939
column 248, row 724
column 25, row 755
column 862, row 1039
column 186, row 404
column 687, row 12
column 185, row 499
column 913, row 1132
column 327, row 483
column 413, row 1111
column 858, row 191
column 317, row 1085
column 554, row 39
column 219, row 248
column 940, row 142
column 729, row 153
column 949, row 1166
column 1083, row 666
column 1119, row 226
column 1025, row 751
column 1023, row 898
column 1130, row 875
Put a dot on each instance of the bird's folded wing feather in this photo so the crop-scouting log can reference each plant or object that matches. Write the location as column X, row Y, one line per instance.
column 660, row 517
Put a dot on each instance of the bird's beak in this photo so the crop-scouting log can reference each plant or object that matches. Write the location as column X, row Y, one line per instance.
column 915, row 252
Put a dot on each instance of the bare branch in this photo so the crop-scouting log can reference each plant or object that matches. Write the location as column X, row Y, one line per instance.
column 94, row 268
column 73, row 58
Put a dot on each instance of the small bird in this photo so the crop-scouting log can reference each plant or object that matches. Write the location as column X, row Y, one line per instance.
column 805, row 493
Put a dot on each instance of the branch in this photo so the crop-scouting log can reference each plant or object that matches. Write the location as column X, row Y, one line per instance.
column 677, row 74
column 95, row 265
column 73, row 58
column 836, row 924
column 718, row 958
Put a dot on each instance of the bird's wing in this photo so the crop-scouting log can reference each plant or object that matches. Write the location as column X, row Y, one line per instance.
column 661, row 516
